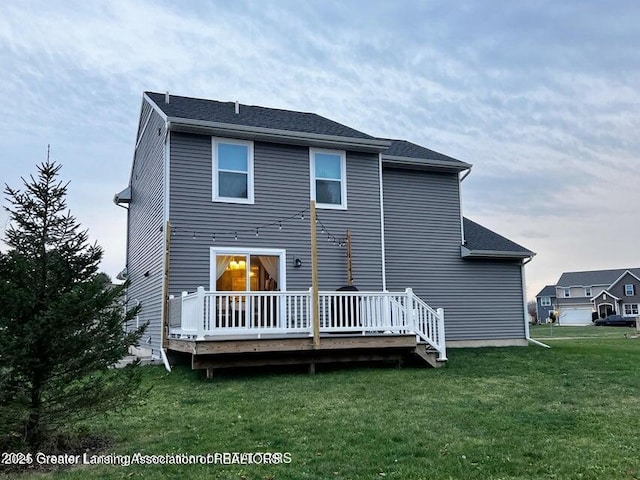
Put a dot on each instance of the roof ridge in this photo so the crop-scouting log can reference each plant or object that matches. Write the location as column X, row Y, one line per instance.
column 232, row 102
column 604, row 270
column 255, row 116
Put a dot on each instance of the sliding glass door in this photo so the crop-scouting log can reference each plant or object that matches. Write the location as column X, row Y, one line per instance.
column 247, row 271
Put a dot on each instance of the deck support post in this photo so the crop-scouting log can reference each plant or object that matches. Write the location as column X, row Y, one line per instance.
column 209, row 373
column 315, row 296
column 441, row 340
column 410, row 310
column 200, row 310
column 312, row 368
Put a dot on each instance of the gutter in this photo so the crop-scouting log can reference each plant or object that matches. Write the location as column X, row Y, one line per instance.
column 283, row 136
column 466, row 252
column 446, row 165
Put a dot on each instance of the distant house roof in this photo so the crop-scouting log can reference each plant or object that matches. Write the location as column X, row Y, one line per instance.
column 212, row 113
column 482, row 242
column 402, row 151
column 593, row 277
column 548, row 291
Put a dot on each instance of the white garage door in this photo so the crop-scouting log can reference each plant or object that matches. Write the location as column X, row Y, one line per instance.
column 575, row 316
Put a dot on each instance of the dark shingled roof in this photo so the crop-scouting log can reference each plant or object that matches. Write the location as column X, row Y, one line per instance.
column 252, row 116
column 593, row 277
column 402, row 148
column 480, row 238
column 548, row 291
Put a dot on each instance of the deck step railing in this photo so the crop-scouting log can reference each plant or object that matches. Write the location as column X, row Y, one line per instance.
column 205, row 314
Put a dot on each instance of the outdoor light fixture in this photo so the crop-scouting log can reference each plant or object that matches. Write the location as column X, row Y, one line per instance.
column 297, row 263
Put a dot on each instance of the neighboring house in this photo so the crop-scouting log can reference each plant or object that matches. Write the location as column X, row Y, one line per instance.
column 546, row 303
column 603, row 292
column 232, row 184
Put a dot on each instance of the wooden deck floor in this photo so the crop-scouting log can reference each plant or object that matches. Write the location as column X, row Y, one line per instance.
column 295, row 350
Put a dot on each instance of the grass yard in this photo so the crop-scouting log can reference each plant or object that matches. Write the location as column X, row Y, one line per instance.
column 548, row 331
column 569, row 412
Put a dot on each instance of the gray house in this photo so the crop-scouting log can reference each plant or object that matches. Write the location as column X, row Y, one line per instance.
column 219, row 240
column 546, row 303
column 604, row 292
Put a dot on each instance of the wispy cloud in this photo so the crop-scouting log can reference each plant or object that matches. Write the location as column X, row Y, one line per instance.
column 541, row 98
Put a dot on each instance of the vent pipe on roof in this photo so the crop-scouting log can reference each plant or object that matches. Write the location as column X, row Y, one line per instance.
column 166, row 97
column 237, row 107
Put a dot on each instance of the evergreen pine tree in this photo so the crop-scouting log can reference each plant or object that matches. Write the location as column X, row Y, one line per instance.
column 61, row 328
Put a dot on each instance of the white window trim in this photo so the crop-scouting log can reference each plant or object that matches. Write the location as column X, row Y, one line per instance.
column 214, row 171
column 343, row 174
column 276, row 252
column 589, row 294
column 545, row 301
column 566, row 291
column 633, row 290
column 630, row 305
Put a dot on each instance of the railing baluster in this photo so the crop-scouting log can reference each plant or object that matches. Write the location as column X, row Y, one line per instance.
column 236, row 313
column 295, row 311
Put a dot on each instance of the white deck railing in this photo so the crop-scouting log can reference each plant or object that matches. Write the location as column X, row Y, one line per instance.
column 214, row 314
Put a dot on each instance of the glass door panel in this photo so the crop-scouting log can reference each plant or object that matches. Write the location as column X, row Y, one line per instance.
column 231, row 310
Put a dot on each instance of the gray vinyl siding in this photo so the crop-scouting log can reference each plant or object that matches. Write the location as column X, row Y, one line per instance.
column 282, row 189
column 145, row 247
column 618, row 289
column 543, row 312
column 482, row 299
column 144, row 113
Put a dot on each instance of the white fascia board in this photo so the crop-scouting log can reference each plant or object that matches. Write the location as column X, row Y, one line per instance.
column 155, row 106
column 621, row 277
column 606, row 292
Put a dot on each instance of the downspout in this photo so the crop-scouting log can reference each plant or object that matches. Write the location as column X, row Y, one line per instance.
column 526, row 311
column 460, row 179
column 167, row 239
column 382, row 240
column 466, row 174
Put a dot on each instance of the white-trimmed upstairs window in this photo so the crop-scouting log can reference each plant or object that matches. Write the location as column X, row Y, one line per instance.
column 629, row 290
column 566, row 292
column 328, row 178
column 232, row 170
column 545, row 301
column 587, row 292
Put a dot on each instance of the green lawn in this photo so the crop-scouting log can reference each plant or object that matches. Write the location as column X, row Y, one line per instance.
column 549, row 331
column 568, row 412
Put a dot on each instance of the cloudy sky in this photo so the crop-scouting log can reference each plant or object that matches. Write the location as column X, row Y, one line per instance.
column 543, row 98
